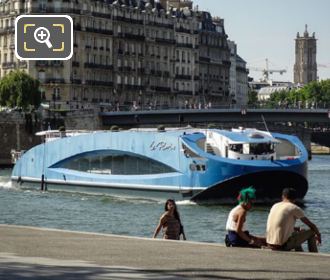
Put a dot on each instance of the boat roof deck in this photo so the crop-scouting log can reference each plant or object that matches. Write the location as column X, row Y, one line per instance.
column 248, row 136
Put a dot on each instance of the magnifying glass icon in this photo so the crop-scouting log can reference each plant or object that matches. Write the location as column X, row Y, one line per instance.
column 41, row 35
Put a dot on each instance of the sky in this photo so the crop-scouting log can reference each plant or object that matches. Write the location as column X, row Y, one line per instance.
column 267, row 29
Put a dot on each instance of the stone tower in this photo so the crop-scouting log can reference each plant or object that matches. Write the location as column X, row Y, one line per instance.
column 305, row 68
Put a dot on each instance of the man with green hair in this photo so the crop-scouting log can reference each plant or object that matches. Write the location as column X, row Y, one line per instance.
column 237, row 235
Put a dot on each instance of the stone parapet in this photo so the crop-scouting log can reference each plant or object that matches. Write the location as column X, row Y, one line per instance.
column 17, row 132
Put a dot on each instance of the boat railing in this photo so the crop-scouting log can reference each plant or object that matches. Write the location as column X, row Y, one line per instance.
column 50, row 135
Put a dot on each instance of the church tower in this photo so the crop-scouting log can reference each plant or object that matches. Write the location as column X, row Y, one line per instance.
column 305, row 68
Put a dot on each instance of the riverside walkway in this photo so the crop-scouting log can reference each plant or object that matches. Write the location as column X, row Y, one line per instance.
column 36, row 253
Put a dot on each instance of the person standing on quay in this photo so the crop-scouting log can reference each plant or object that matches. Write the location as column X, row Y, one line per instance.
column 170, row 222
column 281, row 231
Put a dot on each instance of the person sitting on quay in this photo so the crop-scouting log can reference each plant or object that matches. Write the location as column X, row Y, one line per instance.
column 281, row 231
column 237, row 235
column 170, row 222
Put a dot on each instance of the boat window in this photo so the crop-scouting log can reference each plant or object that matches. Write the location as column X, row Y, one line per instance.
column 256, row 136
column 116, row 164
column 261, row 148
column 237, row 148
column 197, row 167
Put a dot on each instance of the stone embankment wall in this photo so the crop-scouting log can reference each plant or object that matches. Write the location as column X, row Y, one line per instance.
column 17, row 130
column 82, row 120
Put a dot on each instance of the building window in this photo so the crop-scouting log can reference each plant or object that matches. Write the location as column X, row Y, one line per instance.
column 42, row 76
column 56, row 93
column 42, row 4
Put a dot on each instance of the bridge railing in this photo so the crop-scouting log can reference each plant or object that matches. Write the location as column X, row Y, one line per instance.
column 116, row 107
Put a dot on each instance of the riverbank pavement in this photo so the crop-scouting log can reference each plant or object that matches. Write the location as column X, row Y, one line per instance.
column 38, row 253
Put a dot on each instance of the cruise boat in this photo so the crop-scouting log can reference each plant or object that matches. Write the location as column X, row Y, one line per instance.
column 202, row 165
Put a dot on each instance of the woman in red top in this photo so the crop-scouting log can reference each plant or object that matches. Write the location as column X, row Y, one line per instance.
column 170, row 222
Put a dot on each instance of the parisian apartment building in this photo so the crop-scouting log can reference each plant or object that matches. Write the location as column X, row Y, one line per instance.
column 238, row 77
column 140, row 54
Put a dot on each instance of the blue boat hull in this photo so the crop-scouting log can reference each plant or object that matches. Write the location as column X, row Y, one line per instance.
column 268, row 185
column 86, row 163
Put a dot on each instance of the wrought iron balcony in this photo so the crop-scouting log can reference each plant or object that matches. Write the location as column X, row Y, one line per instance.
column 165, row 41
column 131, row 36
column 99, row 30
column 57, row 63
column 101, row 15
column 183, row 45
column 76, row 81
column 99, row 83
column 159, row 24
column 55, row 81
column 5, row 30
column 22, row 64
column 204, row 59
column 183, row 30
column 97, row 65
column 183, row 77
column 42, row 63
column 8, row 65
column 161, row 89
column 62, row 10
column 129, row 20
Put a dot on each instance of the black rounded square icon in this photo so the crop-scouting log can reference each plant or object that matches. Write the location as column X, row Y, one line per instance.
column 44, row 37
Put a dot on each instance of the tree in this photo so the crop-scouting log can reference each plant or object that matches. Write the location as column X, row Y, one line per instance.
column 316, row 94
column 252, row 98
column 278, row 99
column 18, row 89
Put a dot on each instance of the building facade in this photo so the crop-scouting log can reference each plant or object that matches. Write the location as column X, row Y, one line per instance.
column 214, row 61
column 238, row 77
column 305, row 68
column 127, row 54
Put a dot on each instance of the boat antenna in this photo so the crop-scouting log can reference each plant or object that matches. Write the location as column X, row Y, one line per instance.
column 264, row 121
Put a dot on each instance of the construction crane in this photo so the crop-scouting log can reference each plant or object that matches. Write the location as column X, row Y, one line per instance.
column 324, row 65
column 266, row 71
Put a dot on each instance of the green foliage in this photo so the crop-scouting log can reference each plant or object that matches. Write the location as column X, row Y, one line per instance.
column 278, row 99
column 18, row 89
column 114, row 128
column 211, row 126
column 316, row 93
column 252, row 98
column 161, row 128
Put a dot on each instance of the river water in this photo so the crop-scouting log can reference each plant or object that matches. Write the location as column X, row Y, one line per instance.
column 139, row 217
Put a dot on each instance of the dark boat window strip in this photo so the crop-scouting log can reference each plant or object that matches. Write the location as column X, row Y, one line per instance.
column 115, row 164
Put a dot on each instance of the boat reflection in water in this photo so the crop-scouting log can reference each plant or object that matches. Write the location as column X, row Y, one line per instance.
column 207, row 165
